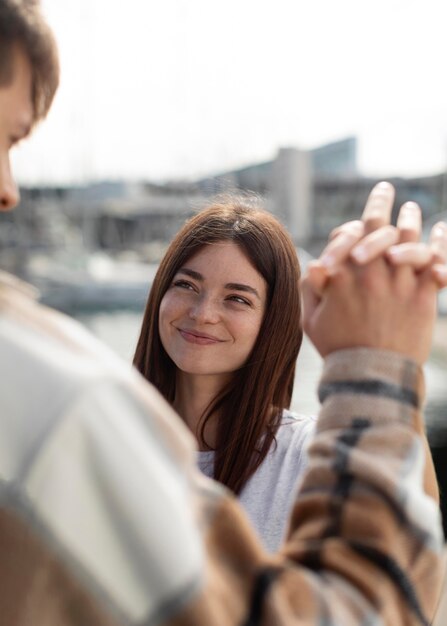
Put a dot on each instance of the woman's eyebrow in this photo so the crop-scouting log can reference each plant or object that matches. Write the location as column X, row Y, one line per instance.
column 192, row 273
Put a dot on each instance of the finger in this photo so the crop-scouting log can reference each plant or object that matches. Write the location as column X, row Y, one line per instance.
column 438, row 242
column 317, row 276
column 355, row 225
column 416, row 255
column 339, row 248
column 409, row 222
column 374, row 245
column 439, row 273
column 404, row 279
column 378, row 207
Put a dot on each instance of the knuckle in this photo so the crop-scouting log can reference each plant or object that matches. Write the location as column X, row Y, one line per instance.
column 375, row 277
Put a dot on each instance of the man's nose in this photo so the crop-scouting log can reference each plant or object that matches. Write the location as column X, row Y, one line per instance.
column 9, row 193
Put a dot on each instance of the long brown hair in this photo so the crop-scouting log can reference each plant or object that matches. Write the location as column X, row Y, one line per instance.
column 250, row 406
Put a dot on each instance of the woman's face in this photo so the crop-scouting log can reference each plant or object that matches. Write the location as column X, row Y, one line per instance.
column 211, row 314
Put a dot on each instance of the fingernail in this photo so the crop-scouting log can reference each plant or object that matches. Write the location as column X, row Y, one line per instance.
column 438, row 250
column 358, row 227
column 395, row 252
column 407, row 221
column 439, row 230
column 384, row 185
column 359, row 254
column 410, row 207
column 441, row 271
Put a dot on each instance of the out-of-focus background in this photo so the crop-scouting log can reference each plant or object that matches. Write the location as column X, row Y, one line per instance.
column 163, row 104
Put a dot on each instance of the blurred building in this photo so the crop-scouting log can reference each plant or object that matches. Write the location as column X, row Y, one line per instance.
column 288, row 182
column 314, row 191
column 311, row 192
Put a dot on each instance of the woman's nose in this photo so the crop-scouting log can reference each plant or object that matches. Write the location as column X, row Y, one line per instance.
column 204, row 310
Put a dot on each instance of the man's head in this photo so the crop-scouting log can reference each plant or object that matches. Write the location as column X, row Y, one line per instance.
column 29, row 76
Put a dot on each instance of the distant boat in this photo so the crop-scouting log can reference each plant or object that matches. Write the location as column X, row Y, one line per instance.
column 84, row 282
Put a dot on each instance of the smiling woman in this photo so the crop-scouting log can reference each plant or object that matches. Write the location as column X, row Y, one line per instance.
column 220, row 337
column 218, row 300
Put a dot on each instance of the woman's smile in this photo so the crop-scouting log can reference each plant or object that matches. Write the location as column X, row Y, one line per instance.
column 200, row 338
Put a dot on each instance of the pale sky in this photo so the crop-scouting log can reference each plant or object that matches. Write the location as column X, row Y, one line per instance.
column 158, row 89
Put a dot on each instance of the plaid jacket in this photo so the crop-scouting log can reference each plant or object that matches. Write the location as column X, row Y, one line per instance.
column 104, row 519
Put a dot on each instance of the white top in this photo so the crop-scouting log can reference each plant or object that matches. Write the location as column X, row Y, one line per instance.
column 269, row 494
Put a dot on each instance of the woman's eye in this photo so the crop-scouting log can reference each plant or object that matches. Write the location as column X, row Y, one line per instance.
column 239, row 299
column 183, row 284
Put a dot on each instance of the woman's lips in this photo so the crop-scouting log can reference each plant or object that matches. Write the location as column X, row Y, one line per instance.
column 198, row 338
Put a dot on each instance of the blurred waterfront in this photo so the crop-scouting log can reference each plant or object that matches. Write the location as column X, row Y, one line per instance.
column 120, row 329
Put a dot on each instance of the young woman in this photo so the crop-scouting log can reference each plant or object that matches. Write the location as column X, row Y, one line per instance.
column 220, row 337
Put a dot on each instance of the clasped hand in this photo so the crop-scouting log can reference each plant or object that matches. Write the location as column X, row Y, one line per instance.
column 375, row 285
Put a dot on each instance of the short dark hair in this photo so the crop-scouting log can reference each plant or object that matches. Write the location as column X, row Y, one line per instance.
column 22, row 26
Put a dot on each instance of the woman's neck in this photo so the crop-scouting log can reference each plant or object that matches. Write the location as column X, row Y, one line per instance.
column 193, row 396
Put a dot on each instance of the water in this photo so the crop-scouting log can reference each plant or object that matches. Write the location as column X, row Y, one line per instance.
column 120, row 330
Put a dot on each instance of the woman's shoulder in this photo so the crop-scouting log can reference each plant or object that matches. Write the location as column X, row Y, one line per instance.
column 295, row 428
column 297, row 420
